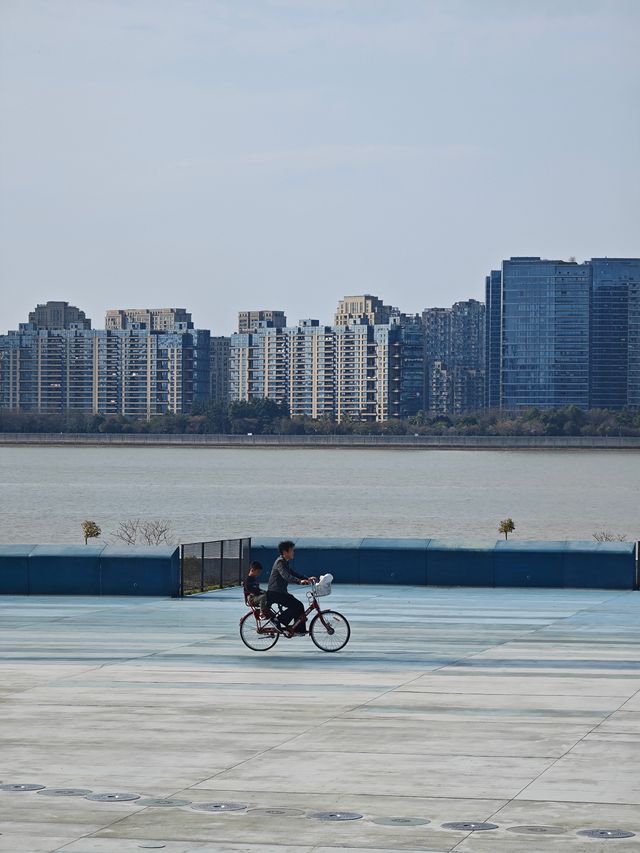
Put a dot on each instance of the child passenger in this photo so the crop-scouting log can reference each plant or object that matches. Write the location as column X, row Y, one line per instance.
column 254, row 595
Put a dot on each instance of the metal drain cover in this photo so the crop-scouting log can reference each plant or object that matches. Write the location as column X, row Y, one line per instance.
column 113, row 798
column 537, row 830
column 336, row 815
column 65, row 792
column 219, row 807
column 162, row 801
column 606, row 833
column 21, row 787
column 276, row 812
column 401, row 821
column 470, row 827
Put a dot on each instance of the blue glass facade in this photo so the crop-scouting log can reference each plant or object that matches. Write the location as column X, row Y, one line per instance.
column 493, row 338
column 614, row 339
column 544, row 334
column 633, row 361
column 561, row 333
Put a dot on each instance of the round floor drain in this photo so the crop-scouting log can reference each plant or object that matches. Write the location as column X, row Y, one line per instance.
column 401, row 821
column 21, row 787
column 537, row 830
column 113, row 797
column 606, row 833
column 336, row 815
column 470, row 827
column 219, row 807
column 164, row 802
column 276, row 812
column 65, row 792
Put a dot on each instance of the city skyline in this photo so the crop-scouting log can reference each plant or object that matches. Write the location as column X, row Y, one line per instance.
column 551, row 333
column 224, row 150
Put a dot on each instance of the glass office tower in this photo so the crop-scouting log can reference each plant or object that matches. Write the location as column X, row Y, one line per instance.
column 493, row 338
column 614, row 335
column 545, row 334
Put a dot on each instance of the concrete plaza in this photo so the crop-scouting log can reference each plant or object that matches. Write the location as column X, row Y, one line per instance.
column 516, row 707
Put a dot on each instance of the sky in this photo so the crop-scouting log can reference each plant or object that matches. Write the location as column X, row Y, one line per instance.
column 221, row 155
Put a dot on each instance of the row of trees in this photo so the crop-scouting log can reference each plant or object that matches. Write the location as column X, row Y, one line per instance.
column 137, row 531
column 262, row 417
column 134, row 531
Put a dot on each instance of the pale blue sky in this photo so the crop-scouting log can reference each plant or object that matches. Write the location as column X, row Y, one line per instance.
column 232, row 154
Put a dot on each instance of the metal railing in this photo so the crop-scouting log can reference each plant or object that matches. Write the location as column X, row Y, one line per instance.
column 213, row 565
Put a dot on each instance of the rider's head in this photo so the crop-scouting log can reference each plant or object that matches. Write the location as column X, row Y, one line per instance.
column 255, row 567
column 286, row 549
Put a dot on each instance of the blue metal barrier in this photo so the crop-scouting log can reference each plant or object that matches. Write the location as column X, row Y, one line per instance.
column 436, row 562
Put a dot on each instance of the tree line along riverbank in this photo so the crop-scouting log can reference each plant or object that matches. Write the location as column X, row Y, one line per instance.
column 268, row 418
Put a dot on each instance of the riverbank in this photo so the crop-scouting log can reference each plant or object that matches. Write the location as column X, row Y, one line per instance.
column 411, row 442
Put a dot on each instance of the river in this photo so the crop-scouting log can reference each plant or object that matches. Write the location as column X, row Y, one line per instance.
column 216, row 493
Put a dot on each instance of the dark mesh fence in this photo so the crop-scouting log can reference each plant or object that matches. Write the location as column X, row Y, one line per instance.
column 213, row 565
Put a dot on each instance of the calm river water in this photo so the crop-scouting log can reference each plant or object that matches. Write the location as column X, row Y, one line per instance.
column 215, row 493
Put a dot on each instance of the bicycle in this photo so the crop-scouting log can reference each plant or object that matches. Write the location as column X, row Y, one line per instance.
column 329, row 630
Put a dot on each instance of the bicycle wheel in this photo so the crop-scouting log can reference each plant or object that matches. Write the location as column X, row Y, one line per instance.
column 334, row 636
column 251, row 637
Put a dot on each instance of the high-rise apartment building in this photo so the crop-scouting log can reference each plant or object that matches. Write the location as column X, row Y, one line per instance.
column 220, row 365
column 371, row 309
column 154, row 319
column 311, row 359
column 58, row 315
column 454, row 357
column 562, row 333
column 249, row 321
column 132, row 371
column 355, row 370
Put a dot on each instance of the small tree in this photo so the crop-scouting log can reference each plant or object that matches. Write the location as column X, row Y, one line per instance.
column 506, row 526
column 154, row 532
column 90, row 530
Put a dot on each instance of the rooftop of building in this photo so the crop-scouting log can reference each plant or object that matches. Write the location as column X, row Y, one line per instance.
column 518, row 707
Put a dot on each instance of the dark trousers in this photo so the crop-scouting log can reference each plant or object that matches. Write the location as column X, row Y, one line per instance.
column 294, row 608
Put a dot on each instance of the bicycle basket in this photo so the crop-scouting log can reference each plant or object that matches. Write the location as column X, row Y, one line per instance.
column 323, row 587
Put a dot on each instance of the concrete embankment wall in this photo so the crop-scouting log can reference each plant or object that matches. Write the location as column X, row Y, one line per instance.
column 89, row 570
column 415, row 442
column 434, row 562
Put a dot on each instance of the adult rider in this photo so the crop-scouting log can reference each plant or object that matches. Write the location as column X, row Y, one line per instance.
column 281, row 576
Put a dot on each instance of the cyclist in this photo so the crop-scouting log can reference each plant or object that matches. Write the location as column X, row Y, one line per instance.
column 281, row 575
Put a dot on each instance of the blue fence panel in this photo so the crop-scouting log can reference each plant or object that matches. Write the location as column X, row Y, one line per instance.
column 459, row 564
column 535, row 564
column 14, row 569
column 140, row 571
column 65, row 570
column 600, row 565
column 393, row 561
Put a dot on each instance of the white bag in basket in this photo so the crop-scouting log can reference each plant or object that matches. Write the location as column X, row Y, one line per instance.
column 323, row 587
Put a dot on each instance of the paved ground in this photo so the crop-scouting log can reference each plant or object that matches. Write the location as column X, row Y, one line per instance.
column 514, row 707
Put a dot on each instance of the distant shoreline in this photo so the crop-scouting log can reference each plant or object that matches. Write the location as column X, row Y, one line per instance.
column 385, row 442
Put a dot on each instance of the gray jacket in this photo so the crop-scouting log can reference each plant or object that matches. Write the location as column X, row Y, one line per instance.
column 282, row 575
